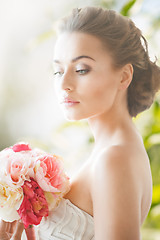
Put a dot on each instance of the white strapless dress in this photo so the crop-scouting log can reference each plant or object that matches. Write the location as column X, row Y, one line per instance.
column 66, row 222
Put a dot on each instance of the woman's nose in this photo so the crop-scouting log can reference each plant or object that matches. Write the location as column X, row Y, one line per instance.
column 67, row 82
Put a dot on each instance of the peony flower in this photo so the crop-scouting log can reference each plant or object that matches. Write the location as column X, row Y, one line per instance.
column 49, row 174
column 53, row 199
column 10, row 200
column 34, row 205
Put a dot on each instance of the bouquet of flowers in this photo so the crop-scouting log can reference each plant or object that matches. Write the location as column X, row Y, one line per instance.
column 32, row 183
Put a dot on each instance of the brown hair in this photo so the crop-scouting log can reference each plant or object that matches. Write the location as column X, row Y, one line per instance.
column 126, row 44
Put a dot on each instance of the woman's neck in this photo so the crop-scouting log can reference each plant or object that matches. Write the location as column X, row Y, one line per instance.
column 107, row 127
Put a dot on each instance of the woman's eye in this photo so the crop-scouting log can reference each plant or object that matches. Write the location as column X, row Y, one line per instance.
column 82, row 71
column 58, row 73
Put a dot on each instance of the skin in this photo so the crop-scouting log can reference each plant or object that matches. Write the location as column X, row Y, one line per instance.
column 116, row 179
column 8, row 230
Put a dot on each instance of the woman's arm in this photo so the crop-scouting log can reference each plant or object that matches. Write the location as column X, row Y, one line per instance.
column 116, row 194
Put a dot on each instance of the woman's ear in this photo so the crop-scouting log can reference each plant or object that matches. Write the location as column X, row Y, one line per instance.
column 126, row 76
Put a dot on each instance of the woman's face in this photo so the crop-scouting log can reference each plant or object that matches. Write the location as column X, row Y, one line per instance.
column 86, row 82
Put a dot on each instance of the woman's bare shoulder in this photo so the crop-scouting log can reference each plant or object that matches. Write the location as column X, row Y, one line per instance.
column 115, row 195
column 128, row 151
column 122, row 173
column 125, row 161
column 117, row 154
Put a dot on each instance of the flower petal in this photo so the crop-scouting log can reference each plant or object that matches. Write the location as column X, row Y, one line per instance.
column 21, row 147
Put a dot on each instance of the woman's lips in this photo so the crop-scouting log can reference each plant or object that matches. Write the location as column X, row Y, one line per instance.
column 69, row 102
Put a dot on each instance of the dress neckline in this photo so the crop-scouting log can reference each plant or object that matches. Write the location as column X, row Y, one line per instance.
column 79, row 209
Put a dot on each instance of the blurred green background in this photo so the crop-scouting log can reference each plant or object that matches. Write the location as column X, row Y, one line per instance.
column 28, row 107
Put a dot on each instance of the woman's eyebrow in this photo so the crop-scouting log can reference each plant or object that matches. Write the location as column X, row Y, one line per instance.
column 76, row 59
column 83, row 56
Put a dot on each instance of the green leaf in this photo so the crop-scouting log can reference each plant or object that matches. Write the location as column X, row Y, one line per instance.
column 156, row 194
column 127, row 7
column 156, row 111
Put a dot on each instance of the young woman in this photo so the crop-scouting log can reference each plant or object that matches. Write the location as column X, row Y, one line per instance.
column 103, row 74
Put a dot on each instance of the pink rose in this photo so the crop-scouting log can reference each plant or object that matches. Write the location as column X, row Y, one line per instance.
column 49, row 173
column 34, row 205
column 18, row 167
column 19, row 163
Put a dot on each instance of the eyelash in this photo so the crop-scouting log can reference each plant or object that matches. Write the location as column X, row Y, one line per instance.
column 57, row 73
column 81, row 72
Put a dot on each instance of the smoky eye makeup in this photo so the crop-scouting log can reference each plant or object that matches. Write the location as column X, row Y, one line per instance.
column 83, row 69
